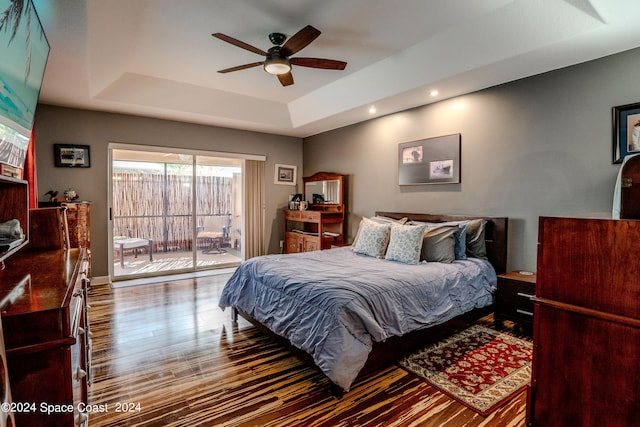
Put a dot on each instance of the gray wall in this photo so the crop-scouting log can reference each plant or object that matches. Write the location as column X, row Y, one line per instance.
column 537, row 146
column 97, row 129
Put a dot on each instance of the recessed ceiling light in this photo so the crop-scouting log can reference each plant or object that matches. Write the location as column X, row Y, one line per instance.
column 372, row 109
column 434, row 93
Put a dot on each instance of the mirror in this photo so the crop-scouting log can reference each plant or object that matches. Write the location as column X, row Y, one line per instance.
column 324, row 189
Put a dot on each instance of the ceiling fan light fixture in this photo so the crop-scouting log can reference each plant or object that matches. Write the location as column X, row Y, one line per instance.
column 277, row 65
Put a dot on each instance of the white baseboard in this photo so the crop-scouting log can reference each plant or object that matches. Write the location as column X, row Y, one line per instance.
column 100, row 280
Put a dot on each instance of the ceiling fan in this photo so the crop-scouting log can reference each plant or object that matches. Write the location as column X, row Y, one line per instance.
column 278, row 59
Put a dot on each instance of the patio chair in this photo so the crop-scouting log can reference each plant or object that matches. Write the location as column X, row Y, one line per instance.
column 127, row 242
column 214, row 233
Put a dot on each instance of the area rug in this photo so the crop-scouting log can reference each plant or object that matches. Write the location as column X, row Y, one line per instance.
column 479, row 367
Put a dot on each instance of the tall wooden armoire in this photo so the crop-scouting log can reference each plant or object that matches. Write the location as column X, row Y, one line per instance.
column 586, row 324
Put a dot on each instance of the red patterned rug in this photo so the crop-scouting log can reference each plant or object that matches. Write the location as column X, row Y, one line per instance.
column 479, row 367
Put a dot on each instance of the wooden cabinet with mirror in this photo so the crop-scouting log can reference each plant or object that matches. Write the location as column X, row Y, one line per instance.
column 321, row 226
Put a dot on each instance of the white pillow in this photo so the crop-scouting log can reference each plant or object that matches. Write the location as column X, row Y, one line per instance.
column 373, row 238
column 405, row 243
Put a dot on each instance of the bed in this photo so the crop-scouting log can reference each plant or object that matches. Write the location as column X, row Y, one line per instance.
column 349, row 313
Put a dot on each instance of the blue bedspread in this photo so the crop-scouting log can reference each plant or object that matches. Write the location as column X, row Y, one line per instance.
column 334, row 303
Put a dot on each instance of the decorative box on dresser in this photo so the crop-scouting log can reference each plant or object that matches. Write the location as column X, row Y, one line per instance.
column 79, row 218
column 586, row 324
column 78, row 221
column 321, row 225
column 47, row 335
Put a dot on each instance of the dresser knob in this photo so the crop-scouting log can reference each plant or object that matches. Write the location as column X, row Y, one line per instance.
column 80, row 374
column 81, row 418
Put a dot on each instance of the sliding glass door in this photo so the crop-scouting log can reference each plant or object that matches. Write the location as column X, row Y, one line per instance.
column 174, row 212
column 218, row 211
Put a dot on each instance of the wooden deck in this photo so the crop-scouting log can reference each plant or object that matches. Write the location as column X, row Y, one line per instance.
column 170, row 352
column 171, row 262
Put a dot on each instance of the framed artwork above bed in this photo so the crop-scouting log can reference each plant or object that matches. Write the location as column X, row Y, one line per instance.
column 430, row 161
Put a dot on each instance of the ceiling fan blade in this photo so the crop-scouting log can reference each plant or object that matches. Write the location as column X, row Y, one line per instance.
column 286, row 79
column 299, row 40
column 326, row 64
column 240, row 44
column 241, row 67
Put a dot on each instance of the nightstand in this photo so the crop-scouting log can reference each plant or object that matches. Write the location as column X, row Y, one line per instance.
column 513, row 298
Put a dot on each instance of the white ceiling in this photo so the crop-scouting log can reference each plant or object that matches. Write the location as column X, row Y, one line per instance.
column 157, row 57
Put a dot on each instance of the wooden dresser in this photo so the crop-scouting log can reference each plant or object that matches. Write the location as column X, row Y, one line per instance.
column 312, row 230
column 586, row 324
column 321, row 225
column 46, row 334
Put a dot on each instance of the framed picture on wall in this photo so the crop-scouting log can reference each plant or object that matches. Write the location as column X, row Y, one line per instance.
column 285, row 174
column 430, row 161
column 71, row 156
column 626, row 131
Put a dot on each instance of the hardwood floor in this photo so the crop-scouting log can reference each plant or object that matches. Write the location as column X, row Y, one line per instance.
column 169, row 356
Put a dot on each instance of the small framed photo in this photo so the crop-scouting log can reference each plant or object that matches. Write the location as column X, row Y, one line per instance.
column 430, row 161
column 626, row 131
column 71, row 156
column 285, row 174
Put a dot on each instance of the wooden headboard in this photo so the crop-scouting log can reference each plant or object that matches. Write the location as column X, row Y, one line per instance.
column 496, row 233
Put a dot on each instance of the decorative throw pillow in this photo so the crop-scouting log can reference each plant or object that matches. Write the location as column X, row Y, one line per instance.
column 381, row 220
column 373, row 238
column 439, row 244
column 405, row 243
column 461, row 239
column 476, row 245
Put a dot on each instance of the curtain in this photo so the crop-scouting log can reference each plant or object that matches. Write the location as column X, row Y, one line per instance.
column 254, row 217
column 30, row 171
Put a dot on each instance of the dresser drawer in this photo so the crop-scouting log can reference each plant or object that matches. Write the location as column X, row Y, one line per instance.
column 304, row 216
column 310, row 216
column 292, row 215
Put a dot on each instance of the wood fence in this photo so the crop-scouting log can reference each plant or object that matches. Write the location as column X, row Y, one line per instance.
column 159, row 206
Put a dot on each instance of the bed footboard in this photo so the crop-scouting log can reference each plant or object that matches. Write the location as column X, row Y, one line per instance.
column 385, row 353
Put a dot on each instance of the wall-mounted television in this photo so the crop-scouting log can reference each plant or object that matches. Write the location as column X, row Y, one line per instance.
column 24, row 50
